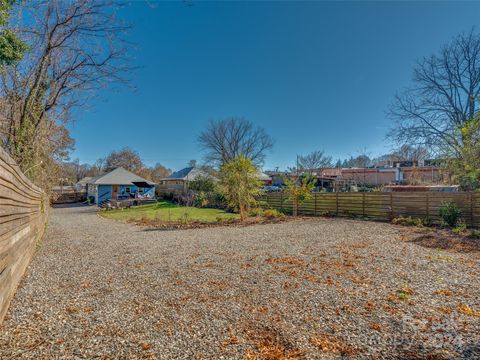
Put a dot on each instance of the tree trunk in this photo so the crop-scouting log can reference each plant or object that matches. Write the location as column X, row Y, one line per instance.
column 242, row 213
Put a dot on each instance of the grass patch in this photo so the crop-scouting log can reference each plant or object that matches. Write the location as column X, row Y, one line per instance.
column 166, row 211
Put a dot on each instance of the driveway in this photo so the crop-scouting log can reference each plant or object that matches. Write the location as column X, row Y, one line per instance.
column 320, row 288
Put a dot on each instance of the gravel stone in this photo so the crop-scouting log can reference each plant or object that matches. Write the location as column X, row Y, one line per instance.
column 320, row 288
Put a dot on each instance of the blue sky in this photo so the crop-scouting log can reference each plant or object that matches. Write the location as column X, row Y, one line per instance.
column 315, row 75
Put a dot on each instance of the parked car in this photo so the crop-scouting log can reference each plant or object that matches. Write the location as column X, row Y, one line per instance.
column 271, row 188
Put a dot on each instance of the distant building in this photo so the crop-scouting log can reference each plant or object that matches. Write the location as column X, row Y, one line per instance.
column 342, row 179
column 119, row 184
column 265, row 178
column 393, row 175
column 178, row 181
column 82, row 184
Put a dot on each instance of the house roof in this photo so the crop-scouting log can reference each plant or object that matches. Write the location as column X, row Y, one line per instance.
column 119, row 176
column 188, row 173
column 264, row 177
column 85, row 180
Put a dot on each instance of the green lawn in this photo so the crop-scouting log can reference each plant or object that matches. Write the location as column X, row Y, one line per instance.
column 166, row 211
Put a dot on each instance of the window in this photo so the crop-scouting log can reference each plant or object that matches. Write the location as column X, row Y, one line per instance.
column 140, row 190
column 127, row 190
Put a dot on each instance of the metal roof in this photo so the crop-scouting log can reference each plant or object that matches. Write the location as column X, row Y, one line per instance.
column 264, row 177
column 85, row 180
column 119, row 176
column 188, row 173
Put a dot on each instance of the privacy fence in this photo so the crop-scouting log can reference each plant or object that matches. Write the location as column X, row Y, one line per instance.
column 67, row 196
column 23, row 214
column 381, row 205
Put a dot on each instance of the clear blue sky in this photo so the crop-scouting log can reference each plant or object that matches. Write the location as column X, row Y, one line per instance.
column 315, row 75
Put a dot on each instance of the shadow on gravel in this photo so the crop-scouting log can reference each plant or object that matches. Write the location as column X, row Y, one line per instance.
column 77, row 208
column 69, row 205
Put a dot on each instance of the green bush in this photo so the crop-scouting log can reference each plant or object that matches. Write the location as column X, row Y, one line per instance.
column 201, row 199
column 469, row 182
column 450, row 213
column 475, row 234
column 410, row 221
column 255, row 211
column 202, row 183
column 271, row 214
column 217, row 199
column 460, row 229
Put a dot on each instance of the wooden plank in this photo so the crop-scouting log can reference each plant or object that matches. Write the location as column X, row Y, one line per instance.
column 383, row 205
column 22, row 222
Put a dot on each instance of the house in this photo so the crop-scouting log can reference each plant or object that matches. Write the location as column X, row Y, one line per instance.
column 393, row 175
column 119, row 184
column 414, row 188
column 178, row 181
column 82, row 184
column 265, row 179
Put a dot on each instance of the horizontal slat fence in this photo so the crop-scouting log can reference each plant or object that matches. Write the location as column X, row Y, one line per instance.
column 66, row 197
column 380, row 205
column 22, row 222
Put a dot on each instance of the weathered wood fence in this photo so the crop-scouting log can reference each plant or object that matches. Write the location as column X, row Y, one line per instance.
column 23, row 214
column 381, row 205
column 66, row 197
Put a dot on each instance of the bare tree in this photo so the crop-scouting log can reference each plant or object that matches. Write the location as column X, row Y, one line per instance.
column 314, row 160
column 225, row 140
column 75, row 49
column 159, row 172
column 127, row 158
column 410, row 153
column 97, row 168
column 443, row 98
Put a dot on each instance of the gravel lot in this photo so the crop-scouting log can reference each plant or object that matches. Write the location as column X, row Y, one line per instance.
column 322, row 288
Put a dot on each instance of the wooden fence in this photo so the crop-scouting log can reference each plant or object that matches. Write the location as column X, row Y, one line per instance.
column 23, row 214
column 381, row 205
column 67, row 196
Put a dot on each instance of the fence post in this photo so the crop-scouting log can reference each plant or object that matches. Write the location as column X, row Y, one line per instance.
column 471, row 209
column 391, row 206
column 315, row 211
column 336, row 198
column 428, row 205
column 281, row 201
column 363, row 204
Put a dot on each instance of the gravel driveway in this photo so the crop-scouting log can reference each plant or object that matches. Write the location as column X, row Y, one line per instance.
column 320, row 288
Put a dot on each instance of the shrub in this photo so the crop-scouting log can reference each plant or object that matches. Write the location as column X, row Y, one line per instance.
column 450, row 213
column 201, row 199
column 475, row 234
column 168, row 196
column 240, row 183
column 255, row 212
column 202, row 183
column 217, row 198
column 222, row 220
column 460, row 229
column 299, row 191
column 469, row 182
column 271, row 214
column 409, row 221
column 366, row 188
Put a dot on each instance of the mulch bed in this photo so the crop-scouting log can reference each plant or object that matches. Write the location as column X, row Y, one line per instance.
column 444, row 239
column 177, row 225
